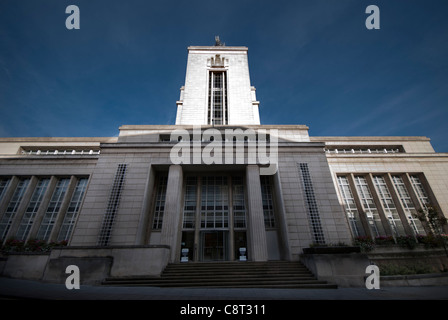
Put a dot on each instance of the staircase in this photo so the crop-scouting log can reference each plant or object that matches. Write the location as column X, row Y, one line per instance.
column 272, row 274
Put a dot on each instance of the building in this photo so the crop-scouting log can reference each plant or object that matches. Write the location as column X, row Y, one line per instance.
column 215, row 186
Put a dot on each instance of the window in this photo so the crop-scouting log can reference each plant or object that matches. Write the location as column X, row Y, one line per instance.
column 420, row 190
column 214, row 203
column 217, row 98
column 72, row 210
column 159, row 205
column 389, row 206
column 408, row 205
column 4, row 183
column 350, row 206
column 369, row 206
column 31, row 210
column 239, row 207
column 190, row 203
column 268, row 202
column 49, row 219
column 311, row 204
column 8, row 216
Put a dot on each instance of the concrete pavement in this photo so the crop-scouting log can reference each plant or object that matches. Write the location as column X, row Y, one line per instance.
column 26, row 289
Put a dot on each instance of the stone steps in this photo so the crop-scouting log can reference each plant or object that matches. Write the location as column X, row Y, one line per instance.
column 275, row 274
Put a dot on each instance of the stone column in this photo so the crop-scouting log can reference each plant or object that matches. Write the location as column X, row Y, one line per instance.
column 256, row 229
column 172, row 215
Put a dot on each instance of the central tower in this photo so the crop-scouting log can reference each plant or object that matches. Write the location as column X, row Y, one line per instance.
column 217, row 88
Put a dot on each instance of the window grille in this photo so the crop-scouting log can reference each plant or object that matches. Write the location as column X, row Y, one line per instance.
column 268, row 202
column 49, row 219
column 4, row 183
column 13, row 205
column 239, row 207
column 311, row 204
column 190, row 203
column 72, row 210
column 159, row 208
column 408, row 205
column 112, row 206
column 369, row 206
column 217, row 98
column 214, row 203
column 389, row 206
column 350, row 206
column 31, row 210
column 420, row 191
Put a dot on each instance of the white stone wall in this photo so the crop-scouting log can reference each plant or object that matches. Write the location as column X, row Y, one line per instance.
column 193, row 109
column 332, row 217
column 129, row 211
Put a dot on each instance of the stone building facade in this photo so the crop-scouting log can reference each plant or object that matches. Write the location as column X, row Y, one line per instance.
column 160, row 194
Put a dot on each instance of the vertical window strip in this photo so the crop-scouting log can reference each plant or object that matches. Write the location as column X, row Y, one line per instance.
column 311, row 204
column 238, row 199
column 408, row 205
column 31, row 210
column 72, row 210
column 214, row 203
column 350, row 206
column 389, row 206
column 190, row 203
column 268, row 202
column 369, row 206
column 50, row 215
column 420, row 191
column 159, row 206
column 112, row 206
column 4, row 183
column 13, row 205
column 217, row 112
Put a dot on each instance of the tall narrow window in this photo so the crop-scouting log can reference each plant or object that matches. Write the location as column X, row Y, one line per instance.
column 13, row 205
column 31, row 210
column 389, row 206
column 72, row 210
column 268, row 202
column 311, row 204
column 350, row 207
column 49, row 219
column 239, row 207
column 214, row 203
column 190, row 202
column 159, row 205
column 4, row 182
column 408, row 205
column 369, row 206
column 217, row 98
column 420, row 190
column 112, row 205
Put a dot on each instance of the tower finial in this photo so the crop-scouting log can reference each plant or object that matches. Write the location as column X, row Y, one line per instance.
column 218, row 42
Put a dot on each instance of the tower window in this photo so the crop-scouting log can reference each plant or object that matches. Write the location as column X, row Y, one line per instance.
column 217, row 98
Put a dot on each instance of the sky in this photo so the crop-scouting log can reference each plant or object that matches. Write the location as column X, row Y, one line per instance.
column 313, row 62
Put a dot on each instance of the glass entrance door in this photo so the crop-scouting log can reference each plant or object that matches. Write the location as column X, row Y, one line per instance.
column 214, row 245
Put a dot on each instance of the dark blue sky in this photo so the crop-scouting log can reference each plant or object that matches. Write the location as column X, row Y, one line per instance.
column 313, row 62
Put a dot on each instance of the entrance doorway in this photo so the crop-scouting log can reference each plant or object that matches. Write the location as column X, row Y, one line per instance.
column 214, row 245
